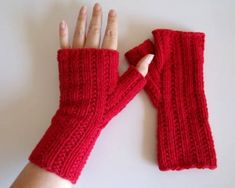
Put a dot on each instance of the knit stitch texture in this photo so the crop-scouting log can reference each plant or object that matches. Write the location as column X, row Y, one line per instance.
column 91, row 93
column 176, row 88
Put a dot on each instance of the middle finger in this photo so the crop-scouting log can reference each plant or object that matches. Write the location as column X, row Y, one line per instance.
column 93, row 35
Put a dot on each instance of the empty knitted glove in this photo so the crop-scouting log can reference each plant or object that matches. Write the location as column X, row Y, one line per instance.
column 91, row 93
column 175, row 86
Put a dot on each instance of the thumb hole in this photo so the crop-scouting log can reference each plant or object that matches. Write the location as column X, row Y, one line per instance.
column 143, row 64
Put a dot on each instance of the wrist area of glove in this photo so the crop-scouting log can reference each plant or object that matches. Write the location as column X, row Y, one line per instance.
column 66, row 145
column 135, row 54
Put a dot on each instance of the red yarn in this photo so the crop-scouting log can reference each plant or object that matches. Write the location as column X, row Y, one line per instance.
column 91, row 93
column 175, row 86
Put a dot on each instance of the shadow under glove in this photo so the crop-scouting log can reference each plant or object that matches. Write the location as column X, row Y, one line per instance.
column 176, row 88
column 91, row 93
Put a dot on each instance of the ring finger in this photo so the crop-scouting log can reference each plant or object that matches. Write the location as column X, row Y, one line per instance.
column 111, row 32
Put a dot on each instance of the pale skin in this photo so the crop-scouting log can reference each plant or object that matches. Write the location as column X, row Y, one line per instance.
column 33, row 176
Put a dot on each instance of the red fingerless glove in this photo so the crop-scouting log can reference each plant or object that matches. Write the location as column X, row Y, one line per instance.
column 175, row 86
column 91, row 93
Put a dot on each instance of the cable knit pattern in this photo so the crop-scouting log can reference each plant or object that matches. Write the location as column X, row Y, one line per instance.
column 91, row 93
column 175, row 86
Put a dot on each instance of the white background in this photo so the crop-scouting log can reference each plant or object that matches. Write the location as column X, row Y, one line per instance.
column 124, row 155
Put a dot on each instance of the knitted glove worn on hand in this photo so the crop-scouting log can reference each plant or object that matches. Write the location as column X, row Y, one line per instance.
column 91, row 93
column 175, row 86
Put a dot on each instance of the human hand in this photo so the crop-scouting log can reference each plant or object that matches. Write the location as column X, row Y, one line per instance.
column 91, row 38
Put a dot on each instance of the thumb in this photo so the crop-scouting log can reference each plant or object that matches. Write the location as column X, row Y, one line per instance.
column 129, row 84
column 143, row 64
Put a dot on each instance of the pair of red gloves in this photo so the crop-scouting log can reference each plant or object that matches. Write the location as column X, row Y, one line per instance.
column 91, row 93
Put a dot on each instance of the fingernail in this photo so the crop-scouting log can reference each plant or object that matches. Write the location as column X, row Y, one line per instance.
column 112, row 12
column 62, row 24
column 97, row 7
column 83, row 10
column 150, row 58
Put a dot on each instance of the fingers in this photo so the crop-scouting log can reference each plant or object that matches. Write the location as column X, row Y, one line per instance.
column 92, row 40
column 111, row 32
column 63, row 35
column 80, row 30
column 93, row 35
column 143, row 64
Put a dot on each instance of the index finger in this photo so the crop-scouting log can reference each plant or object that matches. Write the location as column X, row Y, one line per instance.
column 111, row 32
